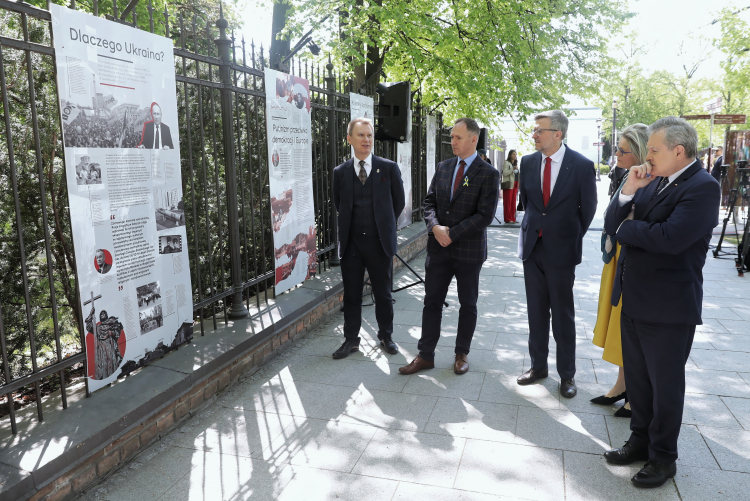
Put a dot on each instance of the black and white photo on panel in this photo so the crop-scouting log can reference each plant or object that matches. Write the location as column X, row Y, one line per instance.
column 151, row 318
column 148, row 295
column 170, row 244
column 169, row 209
column 87, row 172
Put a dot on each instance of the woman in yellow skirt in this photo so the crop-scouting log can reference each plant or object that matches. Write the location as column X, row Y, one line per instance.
column 631, row 151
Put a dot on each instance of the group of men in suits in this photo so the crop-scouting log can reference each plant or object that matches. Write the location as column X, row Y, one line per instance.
column 663, row 218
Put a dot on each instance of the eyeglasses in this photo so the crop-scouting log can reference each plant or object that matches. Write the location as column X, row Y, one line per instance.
column 622, row 152
column 536, row 131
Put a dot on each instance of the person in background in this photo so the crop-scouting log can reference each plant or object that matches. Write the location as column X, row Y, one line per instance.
column 483, row 156
column 716, row 170
column 514, row 195
column 631, row 151
column 507, row 184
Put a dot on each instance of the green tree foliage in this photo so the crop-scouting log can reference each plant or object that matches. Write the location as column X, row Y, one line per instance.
column 482, row 58
column 734, row 44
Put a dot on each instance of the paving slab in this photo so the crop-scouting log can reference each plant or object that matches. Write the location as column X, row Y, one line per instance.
column 313, row 484
column 740, row 409
column 503, row 469
column 216, row 477
column 698, row 484
column 329, row 445
column 413, row 457
column 445, row 383
column 481, row 420
column 558, row 429
column 385, row 409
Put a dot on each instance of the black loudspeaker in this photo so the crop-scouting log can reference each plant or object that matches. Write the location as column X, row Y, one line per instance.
column 482, row 143
column 394, row 111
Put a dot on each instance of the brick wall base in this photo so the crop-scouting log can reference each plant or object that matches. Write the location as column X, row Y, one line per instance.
column 104, row 461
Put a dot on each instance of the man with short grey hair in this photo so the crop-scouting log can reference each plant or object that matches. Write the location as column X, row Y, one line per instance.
column 558, row 191
column 663, row 217
column 369, row 195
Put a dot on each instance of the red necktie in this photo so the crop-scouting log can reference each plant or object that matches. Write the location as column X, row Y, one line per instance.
column 459, row 176
column 546, row 183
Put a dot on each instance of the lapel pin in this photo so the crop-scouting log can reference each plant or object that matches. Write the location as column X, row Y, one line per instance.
column 378, row 171
column 466, row 181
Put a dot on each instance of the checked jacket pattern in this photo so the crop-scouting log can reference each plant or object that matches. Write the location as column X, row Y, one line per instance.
column 469, row 212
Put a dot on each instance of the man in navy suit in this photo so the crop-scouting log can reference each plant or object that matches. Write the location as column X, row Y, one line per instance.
column 663, row 218
column 459, row 206
column 155, row 134
column 369, row 195
column 558, row 189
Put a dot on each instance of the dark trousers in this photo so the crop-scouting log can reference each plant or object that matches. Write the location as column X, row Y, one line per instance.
column 655, row 357
column 550, row 288
column 360, row 254
column 440, row 269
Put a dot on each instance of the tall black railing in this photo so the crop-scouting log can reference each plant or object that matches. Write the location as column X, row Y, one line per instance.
column 222, row 129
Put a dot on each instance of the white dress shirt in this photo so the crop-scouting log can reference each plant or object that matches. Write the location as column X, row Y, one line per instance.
column 368, row 165
column 623, row 199
column 557, row 159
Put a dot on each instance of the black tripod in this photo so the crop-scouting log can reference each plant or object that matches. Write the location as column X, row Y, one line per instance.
column 742, row 181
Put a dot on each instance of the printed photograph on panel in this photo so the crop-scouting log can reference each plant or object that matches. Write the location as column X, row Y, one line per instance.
column 170, row 244
column 87, row 172
column 109, row 124
column 102, row 261
column 151, row 319
column 105, row 341
column 148, row 295
column 300, row 257
column 170, row 212
column 280, row 208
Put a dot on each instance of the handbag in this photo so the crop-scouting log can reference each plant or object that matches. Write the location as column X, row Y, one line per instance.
column 506, row 185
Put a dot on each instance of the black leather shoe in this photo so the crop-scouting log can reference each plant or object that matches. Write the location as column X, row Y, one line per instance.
column 345, row 349
column 605, row 400
column 654, row 474
column 627, row 454
column 568, row 388
column 389, row 346
column 531, row 376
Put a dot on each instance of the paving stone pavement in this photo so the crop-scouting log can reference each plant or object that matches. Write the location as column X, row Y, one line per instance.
column 307, row 427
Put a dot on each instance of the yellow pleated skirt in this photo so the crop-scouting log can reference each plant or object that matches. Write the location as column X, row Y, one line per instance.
column 607, row 328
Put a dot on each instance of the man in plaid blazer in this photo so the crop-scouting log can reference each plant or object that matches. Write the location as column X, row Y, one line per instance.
column 558, row 190
column 459, row 206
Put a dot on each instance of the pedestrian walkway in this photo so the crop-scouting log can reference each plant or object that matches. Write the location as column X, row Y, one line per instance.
column 307, row 427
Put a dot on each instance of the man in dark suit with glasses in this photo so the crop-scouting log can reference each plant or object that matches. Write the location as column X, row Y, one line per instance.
column 558, row 190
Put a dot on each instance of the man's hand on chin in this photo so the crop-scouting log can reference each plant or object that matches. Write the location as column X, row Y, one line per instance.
column 442, row 235
column 639, row 177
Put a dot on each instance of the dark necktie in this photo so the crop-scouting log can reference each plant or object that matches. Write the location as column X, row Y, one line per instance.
column 662, row 184
column 156, row 139
column 362, row 172
column 459, row 176
column 546, row 183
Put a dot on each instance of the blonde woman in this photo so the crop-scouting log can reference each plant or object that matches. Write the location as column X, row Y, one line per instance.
column 631, row 151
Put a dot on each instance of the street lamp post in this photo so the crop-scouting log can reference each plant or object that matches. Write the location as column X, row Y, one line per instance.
column 598, row 140
column 614, row 126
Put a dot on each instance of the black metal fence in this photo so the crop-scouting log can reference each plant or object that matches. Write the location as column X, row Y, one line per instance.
column 222, row 128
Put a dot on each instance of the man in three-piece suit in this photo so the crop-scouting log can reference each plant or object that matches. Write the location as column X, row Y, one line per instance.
column 716, row 170
column 156, row 135
column 369, row 195
column 558, row 190
column 459, row 206
column 663, row 217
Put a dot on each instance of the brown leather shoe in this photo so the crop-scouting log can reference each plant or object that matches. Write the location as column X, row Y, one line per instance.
column 416, row 365
column 461, row 365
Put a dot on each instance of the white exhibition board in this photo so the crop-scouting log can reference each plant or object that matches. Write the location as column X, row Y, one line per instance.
column 431, row 148
column 122, row 154
column 290, row 178
column 362, row 107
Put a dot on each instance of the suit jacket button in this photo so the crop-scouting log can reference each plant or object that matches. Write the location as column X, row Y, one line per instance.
column 447, row 212
column 544, row 213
